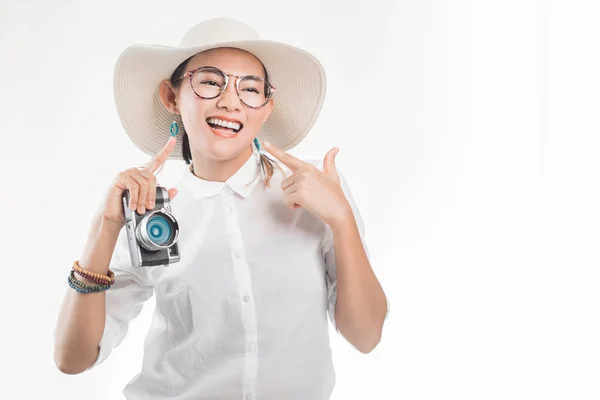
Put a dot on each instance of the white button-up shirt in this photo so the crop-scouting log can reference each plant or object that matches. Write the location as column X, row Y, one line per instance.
column 243, row 315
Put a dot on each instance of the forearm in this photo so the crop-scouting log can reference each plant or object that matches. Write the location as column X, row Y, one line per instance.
column 82, row 316
column 361, row 304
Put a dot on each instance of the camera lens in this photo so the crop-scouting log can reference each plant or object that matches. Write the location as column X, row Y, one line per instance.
column 158, row 230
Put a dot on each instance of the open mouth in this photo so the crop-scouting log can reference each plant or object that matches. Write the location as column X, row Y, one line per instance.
column 229, row 127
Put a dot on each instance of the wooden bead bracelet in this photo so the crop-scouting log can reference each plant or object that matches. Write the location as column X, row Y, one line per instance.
column 99, row 278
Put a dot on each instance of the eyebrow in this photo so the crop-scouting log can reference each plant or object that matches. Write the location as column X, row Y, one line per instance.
column 212, row 66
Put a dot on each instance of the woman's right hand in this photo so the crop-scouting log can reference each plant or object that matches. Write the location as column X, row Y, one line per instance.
column 141, row 184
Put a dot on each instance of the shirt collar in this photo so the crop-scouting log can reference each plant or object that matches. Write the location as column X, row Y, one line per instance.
column 242, row 182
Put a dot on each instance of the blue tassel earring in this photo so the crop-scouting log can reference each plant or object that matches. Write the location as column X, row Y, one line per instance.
column 257, row 144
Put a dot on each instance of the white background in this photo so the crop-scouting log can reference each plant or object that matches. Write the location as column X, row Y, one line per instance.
column 469, row 135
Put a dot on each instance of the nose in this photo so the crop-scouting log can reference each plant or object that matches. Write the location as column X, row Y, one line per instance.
column 229, row 98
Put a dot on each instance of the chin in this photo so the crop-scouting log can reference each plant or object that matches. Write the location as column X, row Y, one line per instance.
column 220, row 154
column 223, row 150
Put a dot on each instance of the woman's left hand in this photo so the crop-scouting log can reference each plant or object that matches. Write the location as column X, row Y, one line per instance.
column 318, row 192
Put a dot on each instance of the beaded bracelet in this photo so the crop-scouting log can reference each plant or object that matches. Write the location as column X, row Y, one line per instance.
column 82, row 287
column 102, row 279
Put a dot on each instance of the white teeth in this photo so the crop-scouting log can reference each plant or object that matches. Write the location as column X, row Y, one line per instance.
column 226, row 124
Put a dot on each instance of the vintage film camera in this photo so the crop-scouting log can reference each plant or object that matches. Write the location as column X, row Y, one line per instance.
column 153, row 236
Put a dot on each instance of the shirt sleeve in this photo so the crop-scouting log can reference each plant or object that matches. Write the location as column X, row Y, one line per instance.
column 329, row 253
column 124, row 299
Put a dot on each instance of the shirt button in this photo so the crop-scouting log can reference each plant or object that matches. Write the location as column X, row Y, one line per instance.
column 246, row 298
column 238, row 254
column 252, row 348
column 249, row 397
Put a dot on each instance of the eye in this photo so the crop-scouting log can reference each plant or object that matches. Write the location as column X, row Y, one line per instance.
column 210, row 83
column 251, row 90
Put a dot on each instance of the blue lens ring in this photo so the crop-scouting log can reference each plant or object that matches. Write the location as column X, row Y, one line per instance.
column 159, row 229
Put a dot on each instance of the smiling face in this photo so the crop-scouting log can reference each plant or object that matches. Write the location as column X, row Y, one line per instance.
column 221, row 128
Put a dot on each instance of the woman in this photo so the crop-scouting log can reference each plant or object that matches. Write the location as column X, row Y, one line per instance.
column 268, row 245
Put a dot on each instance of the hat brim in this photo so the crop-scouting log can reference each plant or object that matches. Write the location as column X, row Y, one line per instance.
column 297, row 75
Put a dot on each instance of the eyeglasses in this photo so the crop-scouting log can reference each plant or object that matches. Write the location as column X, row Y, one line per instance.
column 209, row 82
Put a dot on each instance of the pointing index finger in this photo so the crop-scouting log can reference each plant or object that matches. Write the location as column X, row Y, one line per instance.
column 163, row 154
column 287, row 159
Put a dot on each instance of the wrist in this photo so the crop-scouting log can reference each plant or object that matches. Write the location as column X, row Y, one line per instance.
column 343, row 220
column 110, row 226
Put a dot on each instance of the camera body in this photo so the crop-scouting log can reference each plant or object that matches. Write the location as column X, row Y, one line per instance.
column 152, row 236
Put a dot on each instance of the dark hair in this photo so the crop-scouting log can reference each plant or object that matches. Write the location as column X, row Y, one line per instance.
column 267, row 164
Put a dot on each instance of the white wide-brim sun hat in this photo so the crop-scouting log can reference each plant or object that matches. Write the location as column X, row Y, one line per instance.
column 298, row 77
